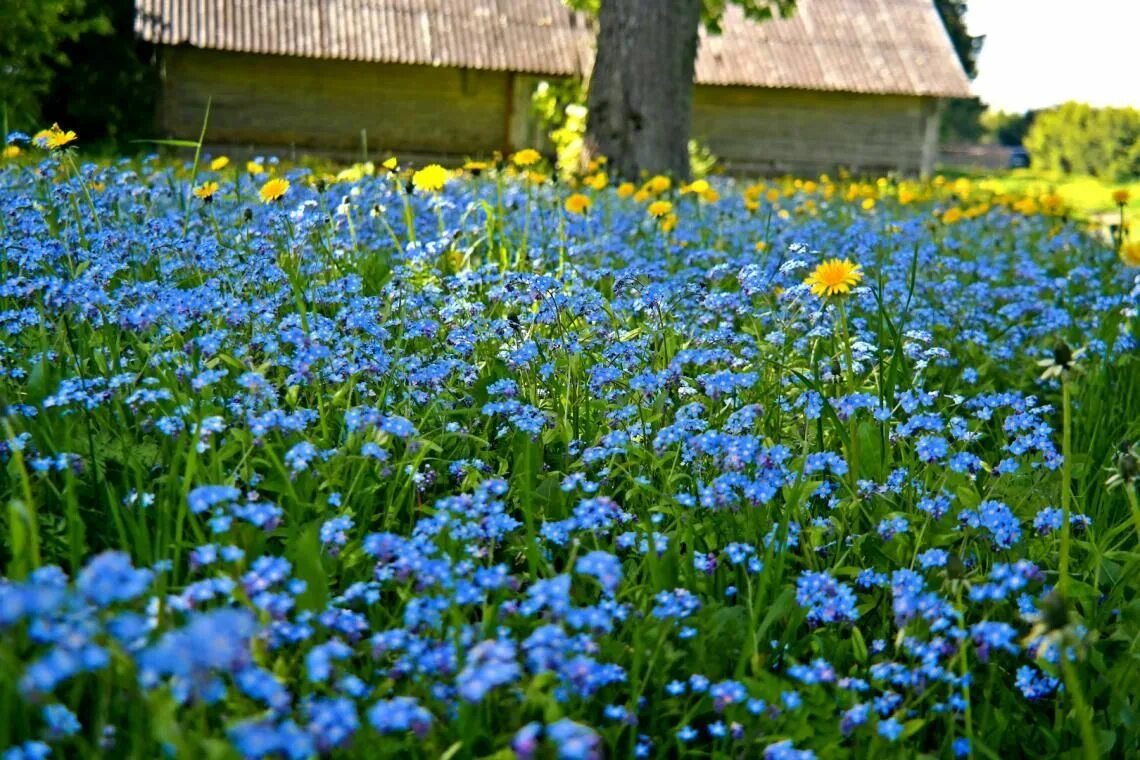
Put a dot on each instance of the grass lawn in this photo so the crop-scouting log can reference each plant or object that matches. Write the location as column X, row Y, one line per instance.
column 1088, row 196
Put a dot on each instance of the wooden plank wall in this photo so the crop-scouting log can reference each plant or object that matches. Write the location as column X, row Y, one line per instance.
column 262, row 100
column 448, row 114
column 757, row 131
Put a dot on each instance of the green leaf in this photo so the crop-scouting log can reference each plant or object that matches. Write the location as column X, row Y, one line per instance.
column 859, row 645
column 19, row 539
column 776, row 612
column 305, row 554
column 968, row 497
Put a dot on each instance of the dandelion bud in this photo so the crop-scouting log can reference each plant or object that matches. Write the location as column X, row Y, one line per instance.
column 1127, row 466
column 1062, row 354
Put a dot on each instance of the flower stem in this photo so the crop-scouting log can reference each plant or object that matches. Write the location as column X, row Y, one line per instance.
column 1130, row 489
column 1066, row 475
column 852, row 430
column 1084, row 714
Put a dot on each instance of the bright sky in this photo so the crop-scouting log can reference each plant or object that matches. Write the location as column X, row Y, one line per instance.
column 1043, row 52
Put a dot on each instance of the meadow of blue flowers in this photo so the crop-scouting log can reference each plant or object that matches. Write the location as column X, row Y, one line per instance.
column 448, row 466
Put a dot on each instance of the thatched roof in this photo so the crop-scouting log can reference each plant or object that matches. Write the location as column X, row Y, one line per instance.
column 864, row 46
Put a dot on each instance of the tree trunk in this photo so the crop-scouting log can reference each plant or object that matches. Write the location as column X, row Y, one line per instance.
column 641, row 90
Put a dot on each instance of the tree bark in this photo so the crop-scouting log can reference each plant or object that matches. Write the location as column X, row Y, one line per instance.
column 641, row 90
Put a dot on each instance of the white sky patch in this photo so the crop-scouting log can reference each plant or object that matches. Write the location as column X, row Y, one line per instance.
column 1042, row 52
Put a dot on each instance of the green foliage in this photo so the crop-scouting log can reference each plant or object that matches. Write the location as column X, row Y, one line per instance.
column 712, row 11
column 1007, row 129
column 961, row 120
column 32, row 47
column 1080, row 139
column 107, row 88
column 560, row 110
column 702, row 160
column 967, row 46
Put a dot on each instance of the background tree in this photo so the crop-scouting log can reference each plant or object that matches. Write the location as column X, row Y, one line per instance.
column 106, row 89
column 32, row 36
column 1008, row 129
column 641, row 90
column 1076, row 138
column 961, row 120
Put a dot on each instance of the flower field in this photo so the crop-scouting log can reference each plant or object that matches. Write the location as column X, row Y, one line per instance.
column 482, row 464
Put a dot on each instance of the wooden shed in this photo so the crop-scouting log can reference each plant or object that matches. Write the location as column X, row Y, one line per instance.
column 852, row 83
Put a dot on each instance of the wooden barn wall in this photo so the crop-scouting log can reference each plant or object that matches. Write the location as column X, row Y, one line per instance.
column 759, row 131
column 262, row 100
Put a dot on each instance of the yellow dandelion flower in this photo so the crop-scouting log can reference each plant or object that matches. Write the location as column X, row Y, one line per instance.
column 659, row 184
column 868, row 204
column 1130, row 254
column 659, row 209
column 206, row 191
column 526, row 157
column 626, row 189
column 641, row 196
column 906, row 196
column 761, row 246
column 773, row 195
column 952, row 215
column 751, row 205
column 1026, row 206
column 578, row 203
column 536, row 177
column 476, row 167
column 219, row 163
column 274, row 190
column 834, row 277
column 54, row 138
column 669, row 222
column 12, row 151
column 254, row 168
column 391, row 164
column 351, row 174
column 710, row 195
column 431, row 178
column 700, row 187
column 1052, row 204
column 1121, row 197
column 598, row 181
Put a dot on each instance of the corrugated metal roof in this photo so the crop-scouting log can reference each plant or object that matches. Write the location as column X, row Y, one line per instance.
column 866, row 46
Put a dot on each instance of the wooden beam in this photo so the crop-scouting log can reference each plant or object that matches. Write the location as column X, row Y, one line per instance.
column 932, row 111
